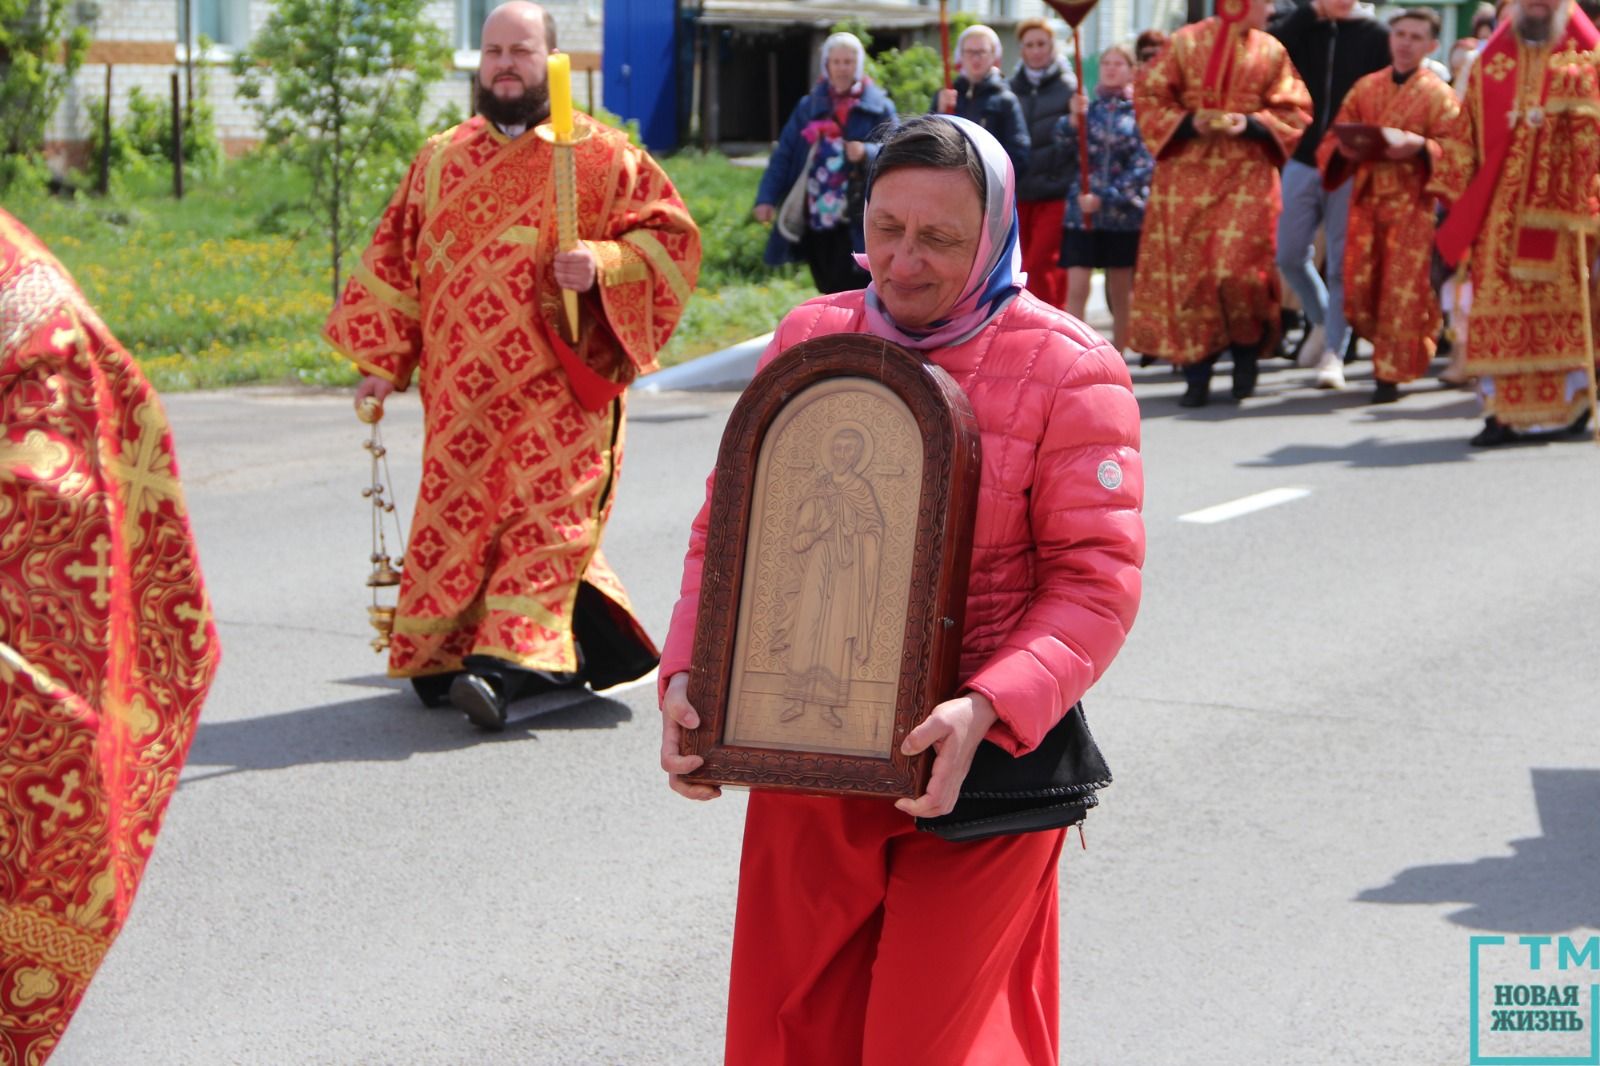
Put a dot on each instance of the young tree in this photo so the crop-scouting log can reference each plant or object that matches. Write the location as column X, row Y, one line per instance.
column 39, row 53
column 339, row 86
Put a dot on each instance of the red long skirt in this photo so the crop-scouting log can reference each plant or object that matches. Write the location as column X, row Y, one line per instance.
column 1039, row 228
column 859, row 940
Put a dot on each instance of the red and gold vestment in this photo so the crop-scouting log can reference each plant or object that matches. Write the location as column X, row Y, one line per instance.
column 524, row 435
column 1206, row 277
column 1534, row 195
column 107, row 646
column 1388, row 297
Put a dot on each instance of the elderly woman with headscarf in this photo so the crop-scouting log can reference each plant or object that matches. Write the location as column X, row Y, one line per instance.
column 1043, row 88
column 859, row 938
column 819, row 165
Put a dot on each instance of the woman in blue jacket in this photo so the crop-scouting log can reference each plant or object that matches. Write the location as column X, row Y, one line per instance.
column 1101, row 227
column 826, row 149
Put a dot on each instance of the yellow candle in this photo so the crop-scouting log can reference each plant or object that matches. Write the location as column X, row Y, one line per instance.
column 560, row 75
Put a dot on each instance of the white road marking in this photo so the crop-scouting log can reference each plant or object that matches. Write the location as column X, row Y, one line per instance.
column 1244, row 505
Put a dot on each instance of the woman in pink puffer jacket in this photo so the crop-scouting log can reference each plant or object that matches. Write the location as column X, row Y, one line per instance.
column 857, row 938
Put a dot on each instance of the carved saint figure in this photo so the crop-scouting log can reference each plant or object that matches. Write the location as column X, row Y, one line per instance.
column 828, row 624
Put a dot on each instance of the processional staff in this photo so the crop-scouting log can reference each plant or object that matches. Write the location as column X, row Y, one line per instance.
column 1073, row 12
column 944, row 41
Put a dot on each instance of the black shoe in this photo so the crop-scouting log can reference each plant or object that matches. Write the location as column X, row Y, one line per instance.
column 475, row 697
column 1578, row 426
column 512, row 683
column 1385, row 392
column 1198, row 375
column 1495, row 433
column 1147, row 360
column 1246, row 368
column 433, row 690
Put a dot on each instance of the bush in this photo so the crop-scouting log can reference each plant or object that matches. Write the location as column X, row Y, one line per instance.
column 719, row 196
column 144, row 135
column 911, row 77
column 38, row 57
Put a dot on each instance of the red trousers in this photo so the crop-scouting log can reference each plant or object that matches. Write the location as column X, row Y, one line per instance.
column 1039, row 228
column 860, row 940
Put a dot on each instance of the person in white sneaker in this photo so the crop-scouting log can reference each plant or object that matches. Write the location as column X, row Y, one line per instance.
column 1332, row 43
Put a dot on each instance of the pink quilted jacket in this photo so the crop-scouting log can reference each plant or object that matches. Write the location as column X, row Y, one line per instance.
column 1058, row 544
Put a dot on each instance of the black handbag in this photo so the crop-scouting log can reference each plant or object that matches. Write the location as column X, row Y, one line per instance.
column 1050, row 787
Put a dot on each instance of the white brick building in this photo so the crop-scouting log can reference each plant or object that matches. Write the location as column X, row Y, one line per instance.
column 143, row 43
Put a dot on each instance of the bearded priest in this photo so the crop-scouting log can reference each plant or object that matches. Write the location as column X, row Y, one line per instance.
column 463, row 290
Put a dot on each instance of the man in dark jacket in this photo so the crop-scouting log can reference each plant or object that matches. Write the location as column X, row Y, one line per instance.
column 1332, row 46
column 980, row 94
column 1043, row 88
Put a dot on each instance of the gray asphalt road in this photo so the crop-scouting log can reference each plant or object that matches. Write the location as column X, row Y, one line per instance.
column 1349, row 732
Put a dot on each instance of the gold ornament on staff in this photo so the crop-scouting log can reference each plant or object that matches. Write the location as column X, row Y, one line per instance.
column 563, row 135
column 385, row 569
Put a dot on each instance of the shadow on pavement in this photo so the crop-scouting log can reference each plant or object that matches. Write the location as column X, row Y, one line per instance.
column 1465, row 409
column 1370, row 452
column 1272, row 400
column 1549, row 884
column 387, row 728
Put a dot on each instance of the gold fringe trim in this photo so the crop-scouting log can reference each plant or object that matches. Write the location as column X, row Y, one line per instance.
column 1588, row 225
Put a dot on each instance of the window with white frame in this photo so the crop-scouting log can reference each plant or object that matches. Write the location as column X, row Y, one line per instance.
column 225, row 23
column 469, row 22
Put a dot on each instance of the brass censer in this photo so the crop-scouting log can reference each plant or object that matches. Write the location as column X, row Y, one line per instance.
column 385, row 569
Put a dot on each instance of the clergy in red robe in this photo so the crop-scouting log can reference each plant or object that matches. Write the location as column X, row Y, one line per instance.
column 504, row 587
column 1528, row 219
column 1418, row 157
column 106, row 641
column 1221, row 108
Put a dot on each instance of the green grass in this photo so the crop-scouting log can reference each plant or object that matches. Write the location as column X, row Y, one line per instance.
column 193, row 288
column 217, row 290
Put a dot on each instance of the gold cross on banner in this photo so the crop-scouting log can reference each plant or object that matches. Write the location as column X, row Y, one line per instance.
column 198, row 615
column 62, row 804
column 145, row 470
column 101, row 571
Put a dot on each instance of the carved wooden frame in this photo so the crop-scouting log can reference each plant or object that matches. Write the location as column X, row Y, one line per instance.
column 930, row 651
